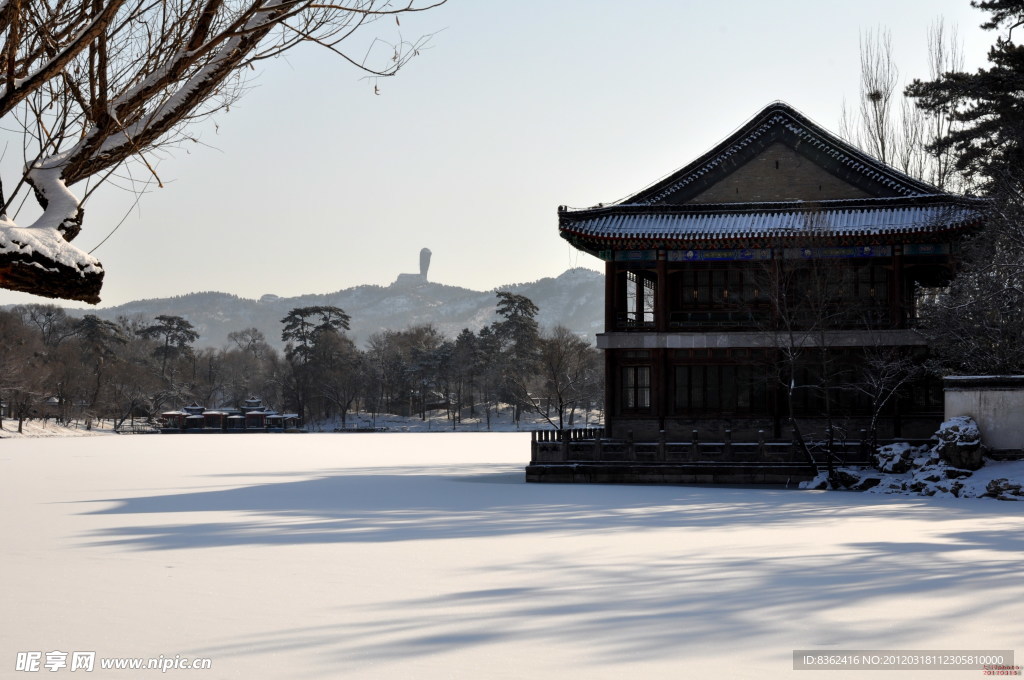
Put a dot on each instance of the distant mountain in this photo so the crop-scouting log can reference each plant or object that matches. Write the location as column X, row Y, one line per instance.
column 574, row 299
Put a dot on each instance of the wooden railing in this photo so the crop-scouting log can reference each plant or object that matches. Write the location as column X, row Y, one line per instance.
column 137, row 428
column 577, row 434
column 578, row 446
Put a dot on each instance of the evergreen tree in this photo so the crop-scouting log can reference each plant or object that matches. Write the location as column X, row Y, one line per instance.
column 988, row 104
column 308, row 330
column 974, row 324
column 518, row 336
column 177, row 336
column 100, row 340
column 303, row 324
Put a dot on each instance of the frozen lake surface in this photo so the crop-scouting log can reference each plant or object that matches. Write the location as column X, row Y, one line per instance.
column 426, row 556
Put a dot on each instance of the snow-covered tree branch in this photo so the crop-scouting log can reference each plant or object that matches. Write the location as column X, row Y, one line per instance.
column 93, row 85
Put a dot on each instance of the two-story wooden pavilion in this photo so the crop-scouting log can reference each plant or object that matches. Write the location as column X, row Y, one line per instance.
column 756, row 282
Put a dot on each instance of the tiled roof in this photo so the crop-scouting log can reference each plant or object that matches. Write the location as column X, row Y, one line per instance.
column 780, row 117
column 766, row 220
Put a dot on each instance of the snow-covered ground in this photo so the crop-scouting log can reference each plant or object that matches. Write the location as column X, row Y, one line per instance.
column 50, row 428
column 426, row 556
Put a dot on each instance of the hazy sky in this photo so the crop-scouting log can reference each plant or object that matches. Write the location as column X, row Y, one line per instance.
column 313, row 183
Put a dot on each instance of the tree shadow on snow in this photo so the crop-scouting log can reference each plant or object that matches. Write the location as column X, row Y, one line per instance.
column 416, row 503
column 683, row 600
column 671, row 607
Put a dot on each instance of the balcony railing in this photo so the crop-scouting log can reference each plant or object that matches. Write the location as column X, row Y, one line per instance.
column 634, row 322
column 750, row 319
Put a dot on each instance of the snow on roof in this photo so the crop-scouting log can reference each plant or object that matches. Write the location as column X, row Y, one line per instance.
column 835, row 218
column 983, row 377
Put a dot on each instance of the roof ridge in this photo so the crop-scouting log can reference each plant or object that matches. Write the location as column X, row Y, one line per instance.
column 780, row 112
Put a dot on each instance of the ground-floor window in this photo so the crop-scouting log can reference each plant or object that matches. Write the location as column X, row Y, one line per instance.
column 636, row 387
column 755, row 382
column 723, row 388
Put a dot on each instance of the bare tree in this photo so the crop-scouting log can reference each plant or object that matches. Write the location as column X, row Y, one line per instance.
column 879, row 79
column 251, row 341
column 93, row 85
column 565, row 376
column 804, row 296
column 891, row 127
column 885, row 371
column 341, row 378
column 52, row 321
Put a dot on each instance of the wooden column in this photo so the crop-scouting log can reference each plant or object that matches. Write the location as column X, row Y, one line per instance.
column 776, row 397
column 661, row 362
column 611, row 380
column 661, row 293
column 610, row 294
column 898, row 309
column 775, row 279
column 659, row 385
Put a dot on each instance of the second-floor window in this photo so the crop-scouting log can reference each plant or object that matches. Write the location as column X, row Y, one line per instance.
column 640, row 289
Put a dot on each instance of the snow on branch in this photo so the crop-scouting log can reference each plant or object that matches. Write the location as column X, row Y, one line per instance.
column 92, row 86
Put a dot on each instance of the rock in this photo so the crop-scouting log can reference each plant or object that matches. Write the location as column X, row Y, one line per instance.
column 895, row 458
column 847, row 478
column 867, row 483
column 1005, row 490
column 819, row 483
column 952, row 489
column 929, row 458
column 960, row 443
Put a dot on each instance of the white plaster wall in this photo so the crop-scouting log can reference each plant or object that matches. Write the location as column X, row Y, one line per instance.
column 998, row 412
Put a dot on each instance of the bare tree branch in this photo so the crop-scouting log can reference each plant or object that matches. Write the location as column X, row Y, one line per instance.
column 96, row 84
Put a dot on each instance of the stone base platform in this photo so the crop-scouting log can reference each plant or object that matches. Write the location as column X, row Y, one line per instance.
column 790, row 474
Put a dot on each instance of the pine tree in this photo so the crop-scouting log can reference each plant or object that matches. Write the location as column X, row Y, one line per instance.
column 974, row 325
column 988, row 104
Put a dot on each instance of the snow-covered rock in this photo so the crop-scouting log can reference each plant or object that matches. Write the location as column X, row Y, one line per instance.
column 1005, row 489
column 960, row 443
column 953, row 465
column 900, row 457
